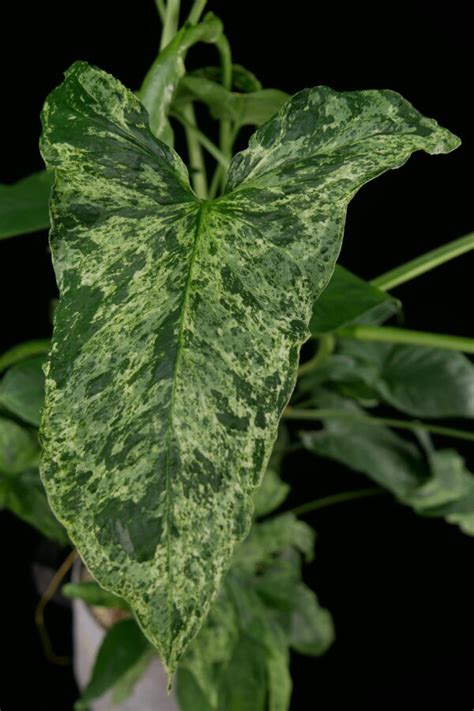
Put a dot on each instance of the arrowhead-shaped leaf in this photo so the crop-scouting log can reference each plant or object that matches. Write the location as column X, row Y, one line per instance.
column 180, row 321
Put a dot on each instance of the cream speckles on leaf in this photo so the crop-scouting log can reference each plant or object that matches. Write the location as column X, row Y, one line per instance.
column 178, row 330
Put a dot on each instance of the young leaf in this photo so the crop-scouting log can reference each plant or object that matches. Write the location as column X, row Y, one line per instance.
column 254, row 108
column 22, row 390
column 424, row 382
column 92, row 594
column 348, row 298
column 162, row 79
column 243, row 79
column 179, row 325
column 122, row 648
column 24, row 205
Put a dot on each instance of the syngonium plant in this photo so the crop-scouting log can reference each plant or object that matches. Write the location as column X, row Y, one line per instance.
column 183, row 308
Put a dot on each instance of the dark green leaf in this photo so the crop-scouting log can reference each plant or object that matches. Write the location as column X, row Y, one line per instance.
column 123, row 647
column 23, row 351
column 24, row 205
column 434, row 483
column 24, row 495
column 93, row 594
column 22, row 390
column 348, row 298
column 424, row 382
column 19, row 448
column 378, row 452
column 178, row 330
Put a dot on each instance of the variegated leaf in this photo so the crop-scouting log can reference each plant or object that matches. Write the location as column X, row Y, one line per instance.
column 180, row 321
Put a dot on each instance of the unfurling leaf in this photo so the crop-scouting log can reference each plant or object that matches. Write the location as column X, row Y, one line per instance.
column 162, row 79
column 178, row 330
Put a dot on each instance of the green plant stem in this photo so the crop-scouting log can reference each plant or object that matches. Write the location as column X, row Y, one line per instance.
column 341, row 498
column 210, row 147
column 196, row 11
column 293, row 413
column 160, row 6
column 196, row 158
column 324, row 350
column 170, row 23
column 226, row 133
column 425, row 263
column 391, row 334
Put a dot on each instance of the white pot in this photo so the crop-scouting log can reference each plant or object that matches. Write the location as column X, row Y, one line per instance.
column 149, row 693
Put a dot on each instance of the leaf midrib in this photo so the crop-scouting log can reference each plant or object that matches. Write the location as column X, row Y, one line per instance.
column 179, row 349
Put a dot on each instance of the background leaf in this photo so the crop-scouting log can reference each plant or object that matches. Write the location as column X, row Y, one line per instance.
column 123, row 647
column 22, row 390
column 24, row 205
column 348, row 298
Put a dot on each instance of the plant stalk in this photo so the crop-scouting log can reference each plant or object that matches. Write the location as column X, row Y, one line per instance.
column 341, row 498
column 293, row 413
column 392, row 334
column 196, row 11
column 210, row 147
column 196, row 158
column 170, row 23
column 424, row 263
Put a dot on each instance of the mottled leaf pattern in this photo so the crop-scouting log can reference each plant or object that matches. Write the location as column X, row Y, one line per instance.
column 179, row 326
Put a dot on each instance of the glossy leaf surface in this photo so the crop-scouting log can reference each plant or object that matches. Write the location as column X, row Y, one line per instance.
column 178, row 330
column 348, row 298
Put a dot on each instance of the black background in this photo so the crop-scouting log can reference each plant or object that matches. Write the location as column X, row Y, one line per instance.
column 400, row 588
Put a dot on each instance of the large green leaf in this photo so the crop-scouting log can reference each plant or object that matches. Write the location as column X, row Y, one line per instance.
column 348, row 298
column 22, row 389
column 24, row 205
column 178, row 330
